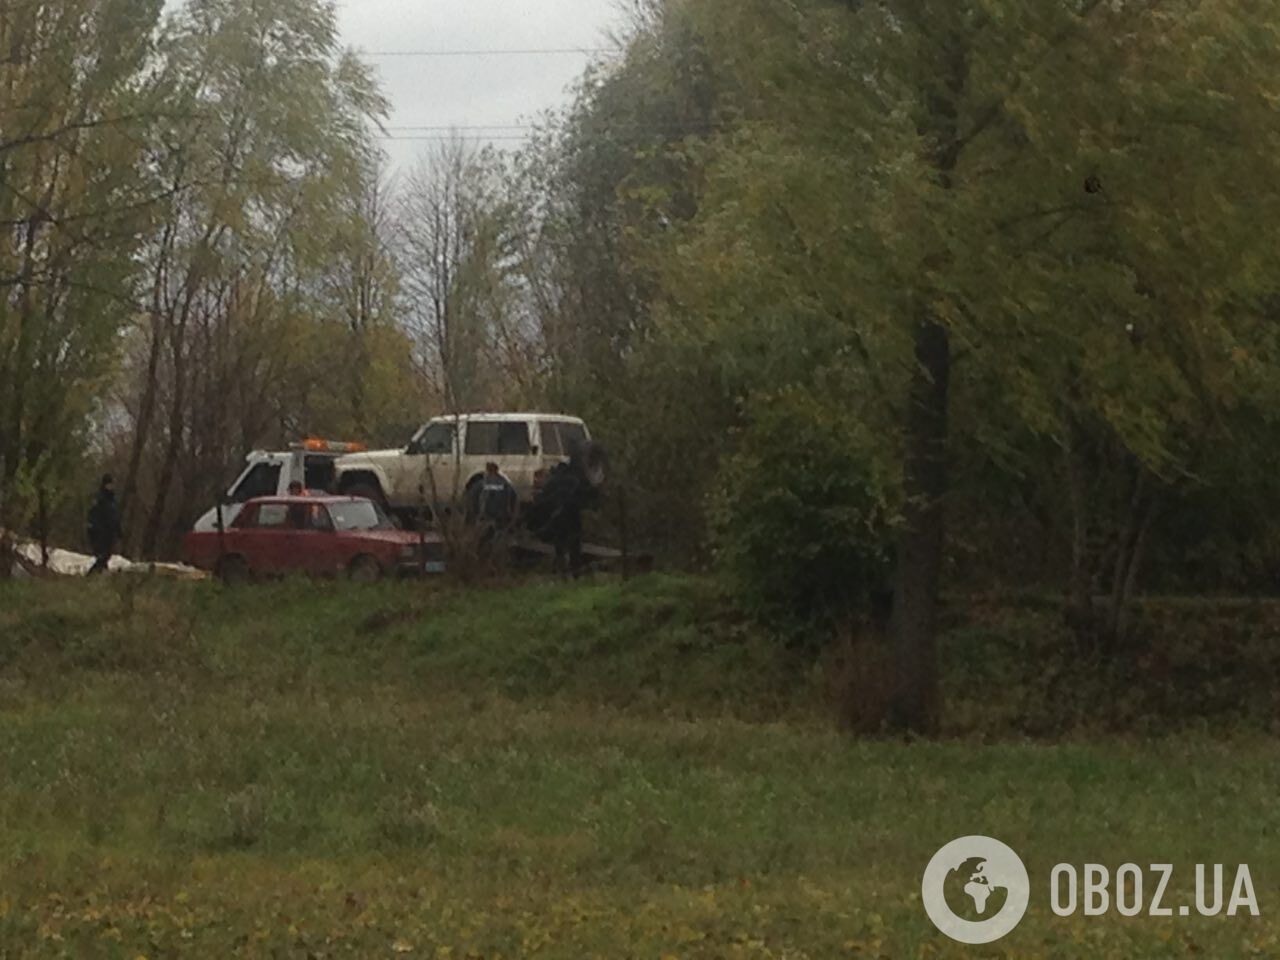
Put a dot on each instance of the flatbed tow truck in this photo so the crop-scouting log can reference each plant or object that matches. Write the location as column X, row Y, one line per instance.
column 268, row 474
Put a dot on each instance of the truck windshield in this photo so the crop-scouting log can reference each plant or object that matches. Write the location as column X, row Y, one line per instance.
column 358, row 515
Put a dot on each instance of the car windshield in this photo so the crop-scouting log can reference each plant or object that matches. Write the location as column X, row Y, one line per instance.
column 358, row 515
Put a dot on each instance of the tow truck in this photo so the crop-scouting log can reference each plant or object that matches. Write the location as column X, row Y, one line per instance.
column 269, row 474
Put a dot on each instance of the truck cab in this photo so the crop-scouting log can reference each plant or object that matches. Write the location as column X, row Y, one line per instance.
column 268, row 474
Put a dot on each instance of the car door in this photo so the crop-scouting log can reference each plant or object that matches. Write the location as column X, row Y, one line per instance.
column 264, row 538
column 316, row 547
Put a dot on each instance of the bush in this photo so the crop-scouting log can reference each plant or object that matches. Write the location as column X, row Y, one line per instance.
column 804, row 511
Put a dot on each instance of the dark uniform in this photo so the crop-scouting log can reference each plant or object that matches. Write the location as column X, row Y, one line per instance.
column 496, row 501
column 557, row 510
column 104, row 525
column 492, row 503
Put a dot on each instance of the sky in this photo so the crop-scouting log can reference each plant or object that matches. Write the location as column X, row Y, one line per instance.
column 473, row 90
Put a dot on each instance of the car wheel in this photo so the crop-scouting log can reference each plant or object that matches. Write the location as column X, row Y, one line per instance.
column 234, row 569
column 364, row 569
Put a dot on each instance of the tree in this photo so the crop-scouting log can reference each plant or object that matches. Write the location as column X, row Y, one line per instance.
column 914, row 172
column 76, row 108
column 455, row 248
column 270, row 135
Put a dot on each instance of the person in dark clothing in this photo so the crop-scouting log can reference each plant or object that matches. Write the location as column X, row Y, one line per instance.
column 492, row 502
column 497, row 500
column 570, row 488
column 104, row 524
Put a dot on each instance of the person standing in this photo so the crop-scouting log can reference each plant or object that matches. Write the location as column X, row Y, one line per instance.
column 493, row 505
column 571, row 487
column 104, row 524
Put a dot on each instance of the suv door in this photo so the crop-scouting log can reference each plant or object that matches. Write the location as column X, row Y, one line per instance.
column 432, row 465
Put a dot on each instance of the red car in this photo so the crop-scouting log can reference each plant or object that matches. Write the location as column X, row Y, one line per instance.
column 318, row 535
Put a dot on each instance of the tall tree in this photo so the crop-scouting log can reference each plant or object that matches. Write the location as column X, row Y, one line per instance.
column 455, row 248
column 273, row 125
column 76, row 110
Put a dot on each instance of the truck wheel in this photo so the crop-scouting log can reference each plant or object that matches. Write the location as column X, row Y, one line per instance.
column 234, row 569
column 364, row 569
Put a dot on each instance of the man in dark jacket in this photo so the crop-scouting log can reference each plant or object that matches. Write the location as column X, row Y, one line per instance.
column 104, row 524
column 570, row 488
column 492, row 502
column 497, row 499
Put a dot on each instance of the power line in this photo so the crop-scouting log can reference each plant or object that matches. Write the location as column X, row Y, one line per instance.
column 477, row 138
column 531, row 52
column 461, row 126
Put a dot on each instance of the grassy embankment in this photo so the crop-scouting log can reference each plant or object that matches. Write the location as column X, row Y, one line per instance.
column 600, row 770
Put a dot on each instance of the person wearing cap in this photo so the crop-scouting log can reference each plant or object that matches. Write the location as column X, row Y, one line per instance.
column 104, row 524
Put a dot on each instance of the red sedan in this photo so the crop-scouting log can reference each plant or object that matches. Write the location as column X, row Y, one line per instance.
column 318, row 535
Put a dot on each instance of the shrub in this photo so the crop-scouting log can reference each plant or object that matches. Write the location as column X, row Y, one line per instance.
column 803, row 511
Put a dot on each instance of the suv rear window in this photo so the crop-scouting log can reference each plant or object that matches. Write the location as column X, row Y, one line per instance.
column 500, row 438
column 570, row 434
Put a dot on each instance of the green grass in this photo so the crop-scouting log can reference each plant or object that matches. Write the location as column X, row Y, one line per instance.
column 562, row 771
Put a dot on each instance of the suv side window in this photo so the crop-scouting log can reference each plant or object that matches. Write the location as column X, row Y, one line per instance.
column 550, row 432
column 489, row 438
column 261, row 481
column 513, row 438
column 437, row 438
column 482, row 438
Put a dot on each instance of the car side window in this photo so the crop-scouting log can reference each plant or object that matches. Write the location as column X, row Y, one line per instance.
column 261, row 481
column 318, row 519
column 270, row 516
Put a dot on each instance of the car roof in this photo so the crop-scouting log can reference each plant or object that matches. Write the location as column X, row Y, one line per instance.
column 506, row 416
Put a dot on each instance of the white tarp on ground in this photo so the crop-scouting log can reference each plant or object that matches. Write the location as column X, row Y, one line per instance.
column 71, row 564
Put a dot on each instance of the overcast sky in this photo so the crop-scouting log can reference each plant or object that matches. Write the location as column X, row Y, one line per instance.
column 468, row 91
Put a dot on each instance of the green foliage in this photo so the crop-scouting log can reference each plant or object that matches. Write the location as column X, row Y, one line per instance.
column 400, row 771
column 805, row 510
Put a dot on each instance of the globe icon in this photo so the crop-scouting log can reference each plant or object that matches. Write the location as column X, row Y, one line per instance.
column 973, row 892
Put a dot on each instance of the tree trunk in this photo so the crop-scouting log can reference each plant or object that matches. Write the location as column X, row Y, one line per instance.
column 1128, row 557
column 1079, row 613
column 917, row 702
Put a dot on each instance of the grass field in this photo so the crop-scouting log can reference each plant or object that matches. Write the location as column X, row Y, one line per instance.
column 598, row 770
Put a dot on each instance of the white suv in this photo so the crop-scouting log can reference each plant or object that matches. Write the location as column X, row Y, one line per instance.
column 448, row 454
